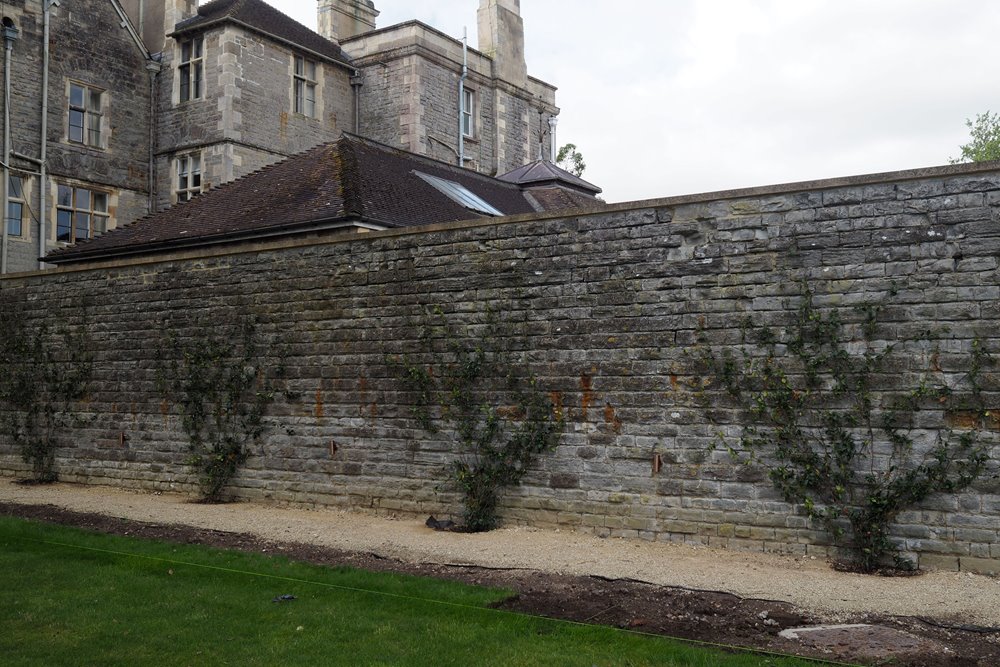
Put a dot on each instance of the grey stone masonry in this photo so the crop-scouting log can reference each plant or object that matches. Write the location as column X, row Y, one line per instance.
column 89, row 48
column 410, row 99
column 610, row 303
column 245, row 117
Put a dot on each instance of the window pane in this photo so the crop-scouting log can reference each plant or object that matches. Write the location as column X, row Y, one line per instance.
column 184, row 72
column 299, row 102
column 76, row 95
column 76, row 126
column 15, row 187
column 100, row 202
column 82, row 225
column 311, row 70
column 185, row 51
column 196, row 180
column 196, row 87
column 100, row 224
column 299, row 65
column 95, row 101
column 64, row 225
column 195, row 164
column 65, row 196
column 82, row 199
column 93, row 129
column 197, row 48
column 310, row 101
column 14, row 213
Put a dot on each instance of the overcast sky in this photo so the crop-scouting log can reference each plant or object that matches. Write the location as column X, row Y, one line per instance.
column 671, row 97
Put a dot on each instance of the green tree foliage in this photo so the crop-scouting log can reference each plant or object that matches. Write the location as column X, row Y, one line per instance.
column 570, row 159
column 43, row 375
column 470, row 388
column 984, row 144
column 222, row 387
column 847, row 449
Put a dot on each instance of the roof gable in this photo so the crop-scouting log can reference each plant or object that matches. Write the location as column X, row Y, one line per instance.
column 265, row 19
column 543, row 172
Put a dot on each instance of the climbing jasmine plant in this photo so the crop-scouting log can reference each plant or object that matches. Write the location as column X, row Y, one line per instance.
column 222, row 387
column 469, row 387
column 44, row 374
column 819, row 406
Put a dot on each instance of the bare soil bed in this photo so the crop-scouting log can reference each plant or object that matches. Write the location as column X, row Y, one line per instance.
column 945, row 634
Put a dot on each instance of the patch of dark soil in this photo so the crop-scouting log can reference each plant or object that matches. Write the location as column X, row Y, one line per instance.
column 886, row 571
column 31, row 481
column 708, row 616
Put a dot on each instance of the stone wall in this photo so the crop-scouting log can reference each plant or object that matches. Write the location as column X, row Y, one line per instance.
column 610, row 303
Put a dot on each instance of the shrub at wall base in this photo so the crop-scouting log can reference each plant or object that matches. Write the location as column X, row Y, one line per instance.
column 43, row 375
column 850, row 457
column 222, row 389
column 471, row 389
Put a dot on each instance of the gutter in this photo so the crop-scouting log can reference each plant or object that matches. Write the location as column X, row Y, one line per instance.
column 219, row 239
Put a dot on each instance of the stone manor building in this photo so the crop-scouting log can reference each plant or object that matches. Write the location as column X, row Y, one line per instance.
column 115, row 109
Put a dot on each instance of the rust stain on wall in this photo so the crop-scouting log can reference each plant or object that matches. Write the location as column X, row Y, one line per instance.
column 586, row 382
column 611, row 418
column 556, row 398
column 318, row 412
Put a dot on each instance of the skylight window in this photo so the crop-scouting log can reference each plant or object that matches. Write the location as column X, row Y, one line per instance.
column 459, row 194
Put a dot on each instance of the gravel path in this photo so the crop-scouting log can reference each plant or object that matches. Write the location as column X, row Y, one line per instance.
column 808, row 583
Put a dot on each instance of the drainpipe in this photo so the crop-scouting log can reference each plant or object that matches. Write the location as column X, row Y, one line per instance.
column 356, row 82
column 43, row 167
column 461, row 97
column 553, row 151
column 153, row 68
column 10, row 34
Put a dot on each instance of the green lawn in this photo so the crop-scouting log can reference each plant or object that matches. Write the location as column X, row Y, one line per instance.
column 76, row 598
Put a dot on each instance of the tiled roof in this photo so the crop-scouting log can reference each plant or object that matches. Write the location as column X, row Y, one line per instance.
column 543, row 172
column 351, row 180
column 263, row 18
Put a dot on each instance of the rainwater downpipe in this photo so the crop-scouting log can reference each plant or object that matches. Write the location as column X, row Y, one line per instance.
column 356, row 82
column 461, row 97
column 43, row 151
column 153, row 68
column 10, row 34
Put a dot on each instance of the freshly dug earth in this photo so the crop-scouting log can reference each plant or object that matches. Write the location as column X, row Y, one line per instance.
column 717, row 596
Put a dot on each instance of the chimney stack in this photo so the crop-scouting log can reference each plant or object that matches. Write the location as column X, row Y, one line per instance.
column 338, row 20
column 501, row 37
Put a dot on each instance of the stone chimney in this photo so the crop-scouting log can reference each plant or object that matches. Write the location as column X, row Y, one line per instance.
column 501, row 37
column 338, row 20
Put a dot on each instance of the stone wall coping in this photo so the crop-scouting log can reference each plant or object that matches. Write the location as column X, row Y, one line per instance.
column 882, row 178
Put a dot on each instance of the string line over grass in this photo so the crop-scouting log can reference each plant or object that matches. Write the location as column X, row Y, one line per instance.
column 432, row 601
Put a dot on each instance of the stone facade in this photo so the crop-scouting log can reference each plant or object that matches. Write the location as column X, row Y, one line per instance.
column 115, row 162
column 611, row 303
column 405, row 84
column 245, row 118
column 410, row 99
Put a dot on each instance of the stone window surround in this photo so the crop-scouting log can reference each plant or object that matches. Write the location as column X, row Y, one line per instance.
column 190, row 73
column 111, row 204
column 102, row 130
column 316, row 82
column 193, row 166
